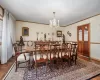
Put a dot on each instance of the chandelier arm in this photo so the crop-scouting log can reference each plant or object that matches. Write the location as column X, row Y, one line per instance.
column 54, row 14
column 54, row 23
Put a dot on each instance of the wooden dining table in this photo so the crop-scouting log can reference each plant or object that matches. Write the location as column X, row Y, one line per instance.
column 33, row 50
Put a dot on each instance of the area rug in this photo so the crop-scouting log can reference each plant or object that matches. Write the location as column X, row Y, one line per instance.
column 81, row 71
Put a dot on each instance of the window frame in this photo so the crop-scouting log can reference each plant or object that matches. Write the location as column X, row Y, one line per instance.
column 2, row 13
column 1, row 17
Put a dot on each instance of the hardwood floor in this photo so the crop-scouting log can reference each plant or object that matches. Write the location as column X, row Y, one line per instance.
column 4, row 68
column 96, row 78
column 95, row 61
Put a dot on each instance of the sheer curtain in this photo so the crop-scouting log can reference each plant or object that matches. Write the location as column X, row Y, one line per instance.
column 13, row 30
column 11, row 35
column 4, row 38
column 8, row 37
column 0, row 36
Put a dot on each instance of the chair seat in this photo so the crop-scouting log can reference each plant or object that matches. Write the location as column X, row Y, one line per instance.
column 63, row 54
column 21, row 57
column 38, row 56
column 52, row 56
column 41, row 60
column 73, row 53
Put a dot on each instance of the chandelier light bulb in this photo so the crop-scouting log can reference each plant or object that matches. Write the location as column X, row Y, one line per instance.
column 54, row 23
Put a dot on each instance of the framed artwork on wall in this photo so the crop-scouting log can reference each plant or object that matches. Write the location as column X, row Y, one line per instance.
column 59, row 33
column 25, row 31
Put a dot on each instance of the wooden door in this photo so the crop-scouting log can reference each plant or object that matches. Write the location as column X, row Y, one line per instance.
column 83, row 37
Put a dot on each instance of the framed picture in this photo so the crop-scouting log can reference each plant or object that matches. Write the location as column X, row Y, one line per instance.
column 25, row 31
column 59, row 33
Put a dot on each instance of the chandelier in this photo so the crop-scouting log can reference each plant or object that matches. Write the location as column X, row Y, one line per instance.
column 54, row 23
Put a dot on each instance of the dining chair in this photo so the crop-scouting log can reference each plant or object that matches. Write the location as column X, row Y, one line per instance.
column 41, row 55
column 65, row 54
column 54, row 54
column 21, row 57
column 74, row 53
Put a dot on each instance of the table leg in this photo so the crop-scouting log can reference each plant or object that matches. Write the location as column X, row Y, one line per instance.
column 31, row 60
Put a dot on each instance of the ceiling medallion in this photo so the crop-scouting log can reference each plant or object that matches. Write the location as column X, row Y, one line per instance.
column 54, row 23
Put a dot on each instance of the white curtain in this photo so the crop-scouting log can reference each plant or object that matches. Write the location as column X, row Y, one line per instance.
column 11, row 32
column 11, row 35
column 8, row 37
column 4, row 38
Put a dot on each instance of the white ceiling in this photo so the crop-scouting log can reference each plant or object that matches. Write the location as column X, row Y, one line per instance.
column 67, row 11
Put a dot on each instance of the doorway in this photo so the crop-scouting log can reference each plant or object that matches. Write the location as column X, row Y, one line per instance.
column 83, row 38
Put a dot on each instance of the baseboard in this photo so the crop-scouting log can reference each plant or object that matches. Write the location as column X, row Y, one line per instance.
column 8, row 72
column 84, row 57
column 94, row 59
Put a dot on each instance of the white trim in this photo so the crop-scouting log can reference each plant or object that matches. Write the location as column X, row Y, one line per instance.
column 8, row 72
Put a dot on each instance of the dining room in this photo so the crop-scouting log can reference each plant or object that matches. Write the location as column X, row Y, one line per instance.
column 49, row 40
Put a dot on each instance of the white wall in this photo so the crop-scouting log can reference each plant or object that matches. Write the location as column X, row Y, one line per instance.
column 94, row 34
column 33, row 28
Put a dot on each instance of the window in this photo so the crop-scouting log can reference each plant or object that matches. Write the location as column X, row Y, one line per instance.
column 1, row 22
column 1, row 30
column 1, row 13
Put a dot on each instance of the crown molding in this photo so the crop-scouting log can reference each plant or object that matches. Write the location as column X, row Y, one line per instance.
column 32, row 22
column 35, row 22
column 61, row 26
column 82, row 20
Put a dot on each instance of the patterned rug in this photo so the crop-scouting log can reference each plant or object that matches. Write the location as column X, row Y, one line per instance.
column 81, row 71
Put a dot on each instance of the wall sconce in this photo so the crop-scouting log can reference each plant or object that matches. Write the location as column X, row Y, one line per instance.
column 68, row 33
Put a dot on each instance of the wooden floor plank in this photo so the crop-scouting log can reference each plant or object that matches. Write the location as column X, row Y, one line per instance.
column 4, row 68
column 96, row 78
